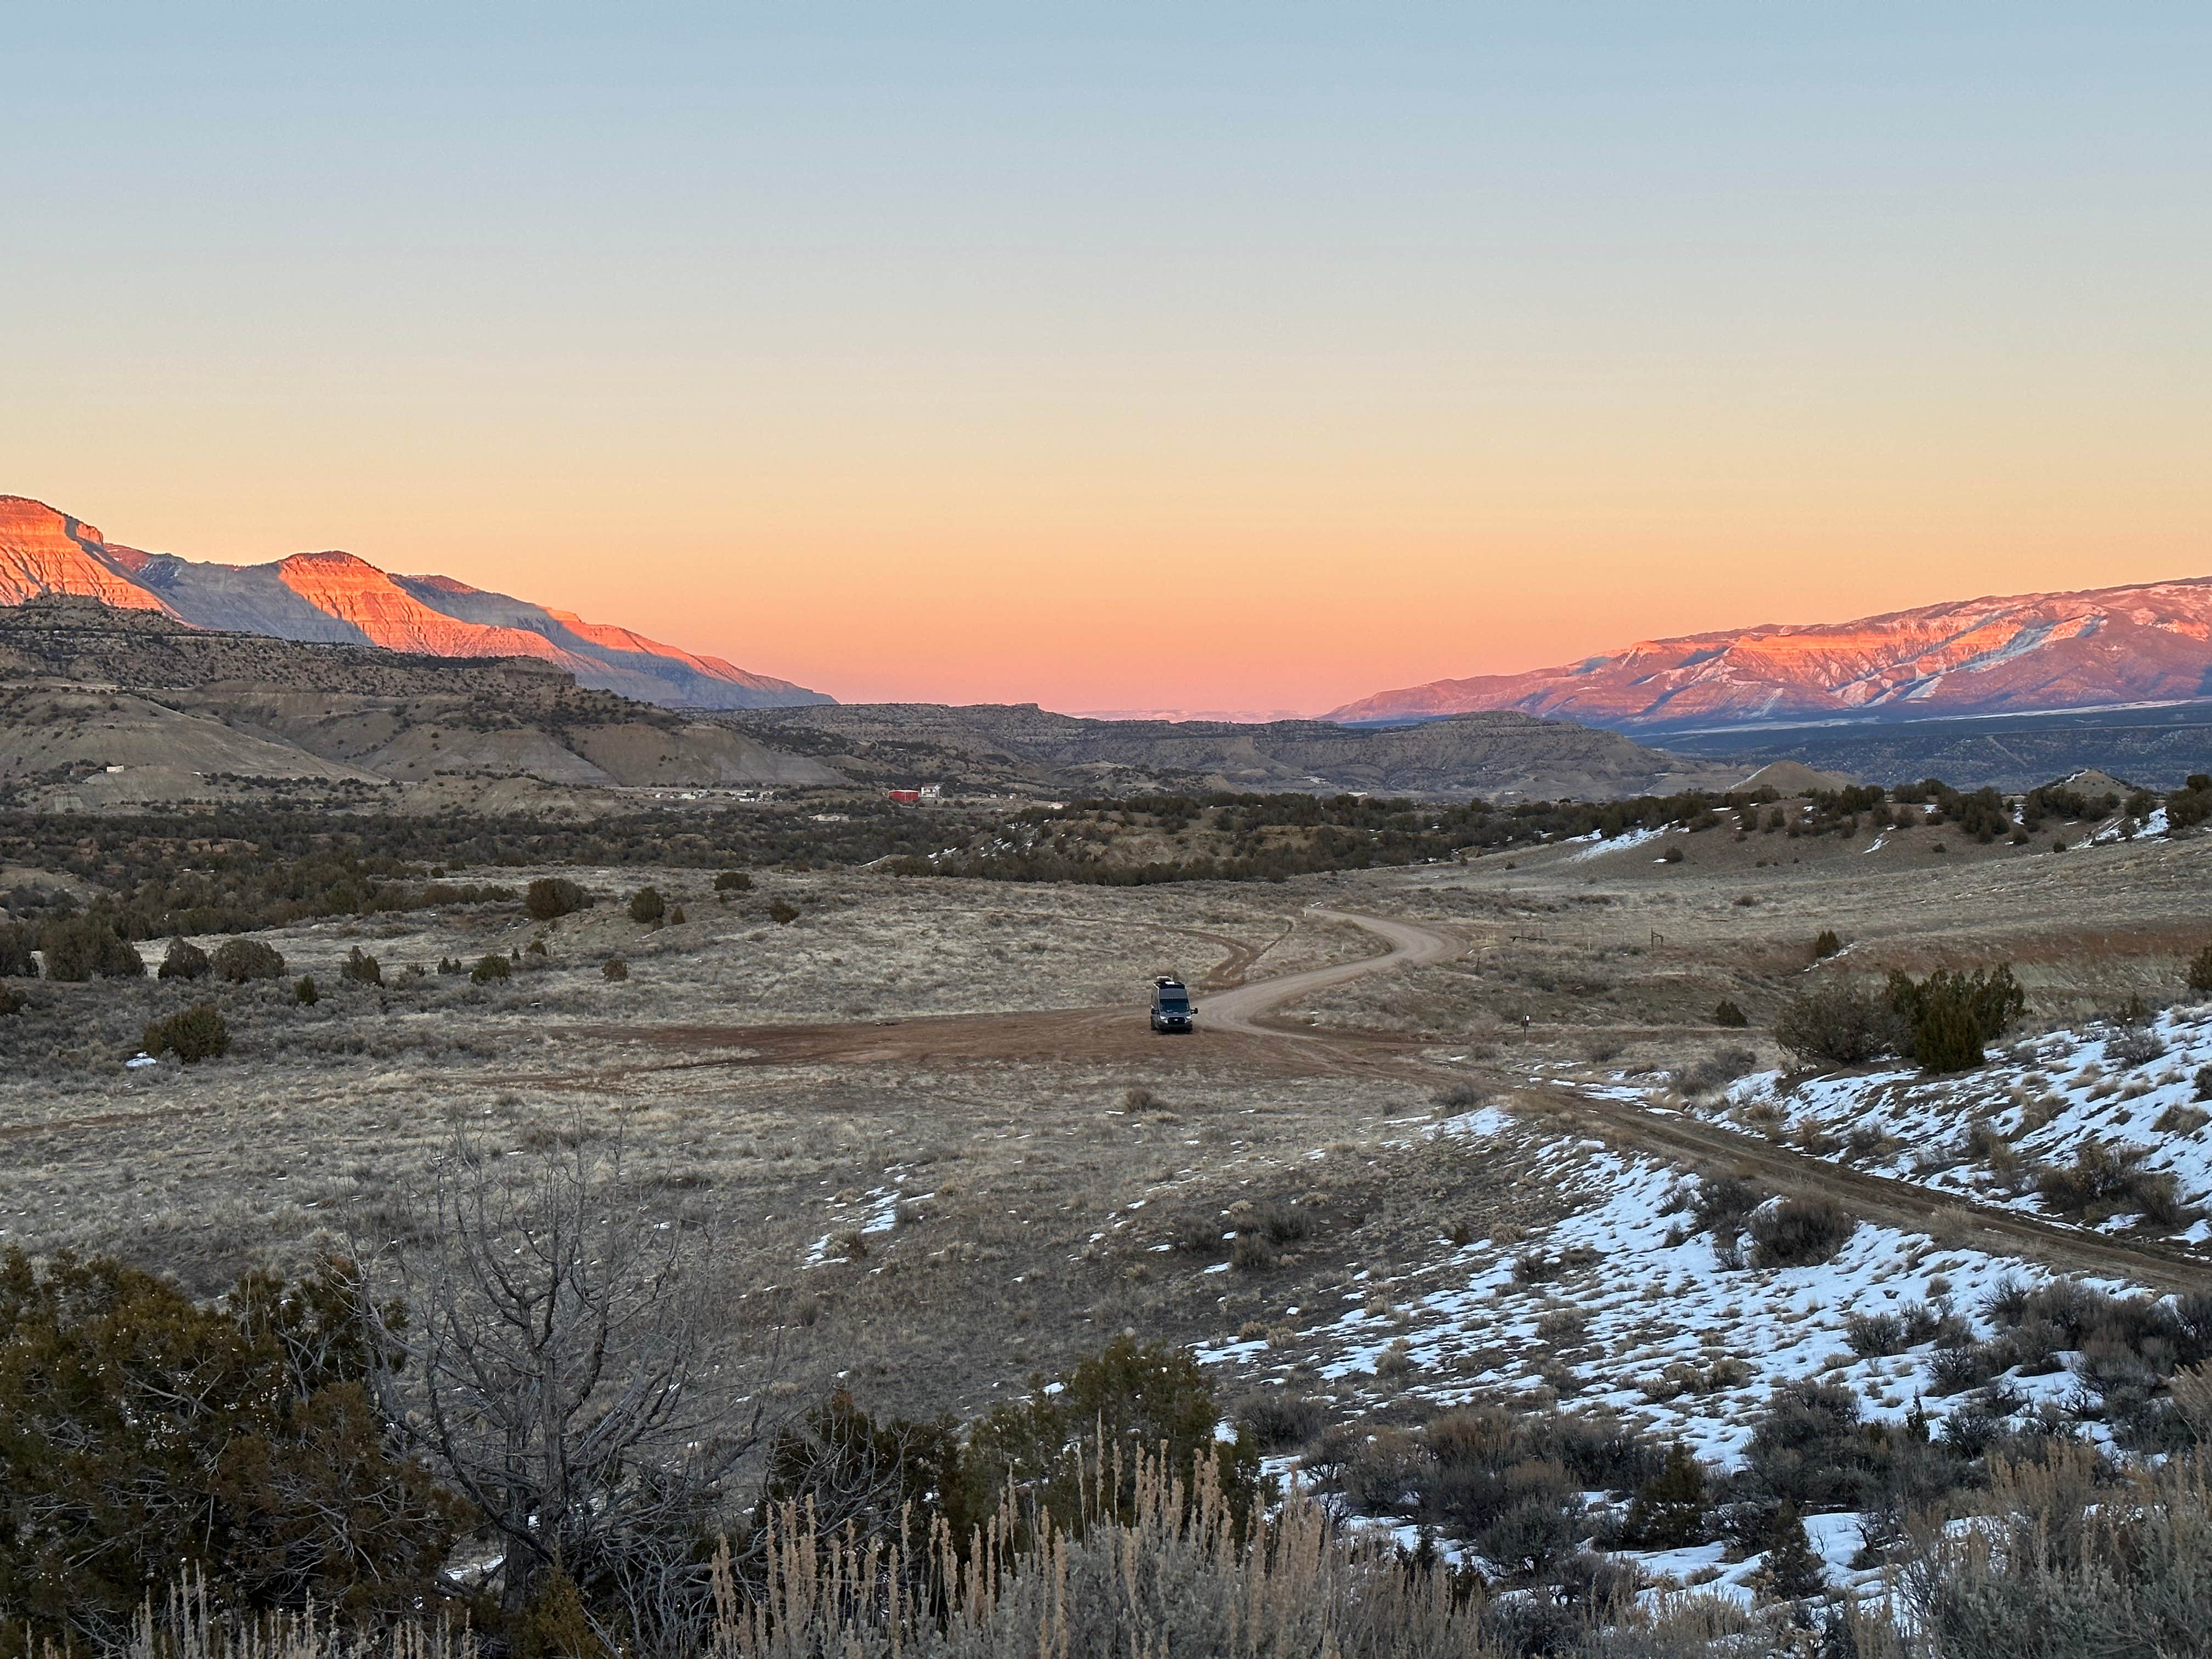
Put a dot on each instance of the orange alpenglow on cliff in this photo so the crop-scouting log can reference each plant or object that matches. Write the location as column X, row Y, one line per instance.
column 2110, row 646
column 336, row 597
column 43, row 551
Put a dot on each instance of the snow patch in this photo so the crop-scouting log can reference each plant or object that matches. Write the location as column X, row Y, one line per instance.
column 1620, row 843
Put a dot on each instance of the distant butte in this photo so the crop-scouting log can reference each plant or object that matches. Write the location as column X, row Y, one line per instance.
column 337, row 598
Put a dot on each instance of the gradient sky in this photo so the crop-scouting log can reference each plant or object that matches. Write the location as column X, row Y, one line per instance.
column 1230, row 356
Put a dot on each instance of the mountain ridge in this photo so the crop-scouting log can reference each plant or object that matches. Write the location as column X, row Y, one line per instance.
column 117, row 707
column 333, row 596
column 2146, row 642
column 1502, row 755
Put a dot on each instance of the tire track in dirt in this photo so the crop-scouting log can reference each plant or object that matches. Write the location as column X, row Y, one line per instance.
column 1229, row 973
column 100, row 1121
column 1033, row 1037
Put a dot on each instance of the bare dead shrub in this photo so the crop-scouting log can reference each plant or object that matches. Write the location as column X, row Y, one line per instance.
column 1837, row 1025
column 2134, row 1047
column 2104, row 1182
column 1278, row 1418
column 559, row 1367
column 1799, row 1232
column 1874, row 1336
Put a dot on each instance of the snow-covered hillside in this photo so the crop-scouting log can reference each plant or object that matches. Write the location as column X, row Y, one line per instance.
column 2076, row 1125
column 1630, row 1310
column 1624, row 1306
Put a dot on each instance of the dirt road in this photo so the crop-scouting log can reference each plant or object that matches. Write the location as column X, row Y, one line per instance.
column 1239, row 1010
column 1947, row 1216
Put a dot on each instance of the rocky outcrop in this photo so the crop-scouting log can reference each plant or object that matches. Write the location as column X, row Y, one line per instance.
column 70, row 637
column 2033, row 652
column 136, row 706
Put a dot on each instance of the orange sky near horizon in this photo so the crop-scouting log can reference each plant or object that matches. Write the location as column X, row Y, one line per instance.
column 1240, row 362
column 1136, row 613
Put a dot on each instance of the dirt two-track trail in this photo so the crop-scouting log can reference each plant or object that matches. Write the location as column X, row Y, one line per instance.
column 1233, row 1030
column 1240, row 1009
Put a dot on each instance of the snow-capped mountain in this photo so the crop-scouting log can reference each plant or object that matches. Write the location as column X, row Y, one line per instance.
column 2031, row 653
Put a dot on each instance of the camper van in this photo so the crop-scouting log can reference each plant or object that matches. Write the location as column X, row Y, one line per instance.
column 1170, row 1006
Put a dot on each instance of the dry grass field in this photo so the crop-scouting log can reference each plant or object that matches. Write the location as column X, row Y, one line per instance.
column 938, row 1146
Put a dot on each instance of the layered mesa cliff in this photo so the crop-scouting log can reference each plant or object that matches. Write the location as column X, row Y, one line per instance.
column 2031, row 653
column 334, row 597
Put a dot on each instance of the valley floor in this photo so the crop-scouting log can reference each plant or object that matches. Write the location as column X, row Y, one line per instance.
column 940, row 1151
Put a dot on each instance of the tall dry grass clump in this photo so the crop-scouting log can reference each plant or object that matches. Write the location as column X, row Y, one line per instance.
column 1172, row 1575
column 190, row 1625
column 2068, row 1560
